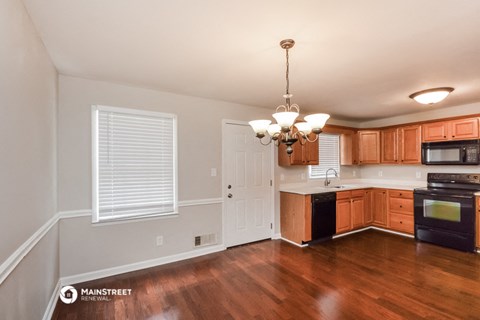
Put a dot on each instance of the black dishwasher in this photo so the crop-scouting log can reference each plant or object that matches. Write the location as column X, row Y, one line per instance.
column 323, row 216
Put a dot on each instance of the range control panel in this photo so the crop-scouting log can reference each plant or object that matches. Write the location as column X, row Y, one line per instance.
column 463, row 178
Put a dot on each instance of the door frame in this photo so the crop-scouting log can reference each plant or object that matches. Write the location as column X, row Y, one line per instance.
column 226, row 122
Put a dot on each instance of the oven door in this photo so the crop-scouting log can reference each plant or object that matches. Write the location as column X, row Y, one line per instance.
column 454, row 213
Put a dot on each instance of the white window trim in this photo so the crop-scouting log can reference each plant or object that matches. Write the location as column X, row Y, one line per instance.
column 95, row 175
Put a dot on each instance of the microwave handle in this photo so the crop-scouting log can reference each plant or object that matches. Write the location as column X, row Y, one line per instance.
column 464, row 154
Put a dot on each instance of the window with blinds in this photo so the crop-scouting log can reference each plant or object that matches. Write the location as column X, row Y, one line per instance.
column 329, row 156
column 134, row 163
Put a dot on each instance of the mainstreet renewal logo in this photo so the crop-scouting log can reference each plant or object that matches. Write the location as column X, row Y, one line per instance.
column 69, row 294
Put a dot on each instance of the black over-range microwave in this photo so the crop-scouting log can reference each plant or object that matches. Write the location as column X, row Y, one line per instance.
column 461, row 152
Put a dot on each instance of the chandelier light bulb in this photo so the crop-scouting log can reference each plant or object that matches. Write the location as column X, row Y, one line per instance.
column 285, row 119
column 260, row 127
column 303, row 127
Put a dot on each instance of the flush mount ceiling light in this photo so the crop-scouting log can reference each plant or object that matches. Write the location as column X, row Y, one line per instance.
column 431, row 96
column 286, row 130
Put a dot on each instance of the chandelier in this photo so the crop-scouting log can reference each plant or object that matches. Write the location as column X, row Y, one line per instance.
column 286, row 131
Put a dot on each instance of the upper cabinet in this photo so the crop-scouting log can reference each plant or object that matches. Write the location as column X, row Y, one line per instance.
column 306, row 154
column 460, row 129
column 368, row 146
column 410, row 144
column 389, row 145
column 401, row 145
column 348, row 149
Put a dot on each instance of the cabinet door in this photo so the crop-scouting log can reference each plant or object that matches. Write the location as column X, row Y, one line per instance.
column 435, row 131
column 464, row 129
column 389, row 140
column 368, row 212
column 410, row 145
column 379, row 207
column 358, row 212
column 295, row 217
column 369, row 147
column 310, row 151
column 346, row 149
column 344, row 221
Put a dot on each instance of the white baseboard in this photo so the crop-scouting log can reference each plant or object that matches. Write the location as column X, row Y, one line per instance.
column 393, row 232
column 52, row 303
column 98, row 274
column 294, row 243
column 350, row 232
column 276, row 236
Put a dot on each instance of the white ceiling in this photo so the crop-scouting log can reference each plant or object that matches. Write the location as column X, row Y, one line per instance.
column 356, row 60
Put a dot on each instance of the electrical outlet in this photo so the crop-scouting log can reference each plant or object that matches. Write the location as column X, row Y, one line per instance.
column 354, row 173
column 282, row 177
column 302, row 176
column 380, row 173
column 159, row 240
column 418, row 174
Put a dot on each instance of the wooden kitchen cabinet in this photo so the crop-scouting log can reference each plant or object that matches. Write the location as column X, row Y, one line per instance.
column 460, row 129
column 410, row 144
column 344, row 216
column 358, row 208
column 401, row 145
column 379, row 207
column 350, row 210
column 349, row 149
column 368, row 146
column 464, row 129
column 368, row 212
column 296, row 217
column 306, row 154
column 400, row 210
column 389, row 146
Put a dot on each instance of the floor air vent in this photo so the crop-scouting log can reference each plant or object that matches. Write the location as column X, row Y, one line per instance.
column 205, row 240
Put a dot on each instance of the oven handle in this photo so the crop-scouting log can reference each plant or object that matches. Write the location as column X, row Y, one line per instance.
column 444, row 195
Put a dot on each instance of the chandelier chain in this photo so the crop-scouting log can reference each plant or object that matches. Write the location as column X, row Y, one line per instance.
column 286, row 73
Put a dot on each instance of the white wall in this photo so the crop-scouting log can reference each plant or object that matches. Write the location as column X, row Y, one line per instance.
column 28, row 92
column 85, row 247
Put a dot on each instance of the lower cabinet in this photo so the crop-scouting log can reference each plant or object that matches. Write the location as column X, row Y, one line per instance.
column 379, row 207
column 400, row 210
column 296, row 217
column 350, row 210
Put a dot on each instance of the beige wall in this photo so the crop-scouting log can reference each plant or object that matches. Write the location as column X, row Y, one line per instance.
column 28, row 90
column 85, row 247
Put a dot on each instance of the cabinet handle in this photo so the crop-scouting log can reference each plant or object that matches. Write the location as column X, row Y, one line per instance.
column 401, row 222
column 444, row 136
column 400, row 194
column 453, row 136
column 401, row 207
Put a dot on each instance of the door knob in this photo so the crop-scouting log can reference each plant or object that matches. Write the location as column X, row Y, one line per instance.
column 229, row 186
column 230, row 195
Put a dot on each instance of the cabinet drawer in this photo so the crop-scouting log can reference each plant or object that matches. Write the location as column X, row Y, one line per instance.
column 401, row 194
column 401, row 222
column 401, row 205
column 344, row 195
column 358, row 193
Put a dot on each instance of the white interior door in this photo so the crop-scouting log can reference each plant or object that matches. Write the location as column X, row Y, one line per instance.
column 247, row 189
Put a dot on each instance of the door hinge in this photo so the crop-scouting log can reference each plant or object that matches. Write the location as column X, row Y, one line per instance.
column 271, row 225
column 271, row 183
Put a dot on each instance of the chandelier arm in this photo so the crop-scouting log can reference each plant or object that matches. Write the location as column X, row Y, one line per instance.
column 266, row 144
column 302, row 139
column 315, row 139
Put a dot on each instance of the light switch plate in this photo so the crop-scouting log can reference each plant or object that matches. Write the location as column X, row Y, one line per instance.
column 213, row 172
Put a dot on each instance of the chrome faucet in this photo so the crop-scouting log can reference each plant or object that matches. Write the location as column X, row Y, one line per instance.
column 327, row 182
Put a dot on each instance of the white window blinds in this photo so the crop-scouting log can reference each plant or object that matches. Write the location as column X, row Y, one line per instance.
column 329, row 156
column 134, row 163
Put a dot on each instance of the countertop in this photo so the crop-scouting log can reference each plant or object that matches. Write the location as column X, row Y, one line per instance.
column 313, row 187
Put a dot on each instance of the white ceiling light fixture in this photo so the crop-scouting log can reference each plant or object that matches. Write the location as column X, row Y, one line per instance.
column 286, row 130
column 431, row 96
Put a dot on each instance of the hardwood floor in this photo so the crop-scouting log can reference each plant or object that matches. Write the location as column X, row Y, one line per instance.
column 368, row 275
